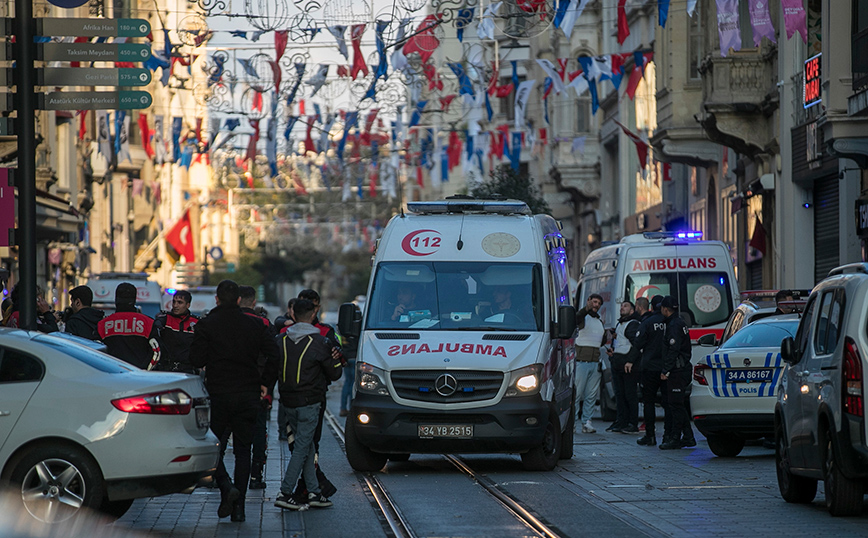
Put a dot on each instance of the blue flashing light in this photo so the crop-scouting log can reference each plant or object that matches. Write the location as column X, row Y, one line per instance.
column 689, row 235
column 722, row 282
column 424, row 389
column 171, row 291
column 468, row 389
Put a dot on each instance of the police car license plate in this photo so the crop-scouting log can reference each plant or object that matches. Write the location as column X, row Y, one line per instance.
column 749, row 375
column 203, row 417
column 450, row 431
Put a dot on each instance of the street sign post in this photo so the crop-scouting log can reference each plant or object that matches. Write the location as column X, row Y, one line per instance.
column 93, row 52
column 88, row 76
column 93, row 27
column 124, row 100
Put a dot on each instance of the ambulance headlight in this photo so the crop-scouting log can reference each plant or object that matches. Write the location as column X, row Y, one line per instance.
column 525, row 381
column 370, row 379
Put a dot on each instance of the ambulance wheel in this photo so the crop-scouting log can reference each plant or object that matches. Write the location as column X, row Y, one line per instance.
column 361, row 458
column 725, row 446
column 545, row 456
column 567, row 435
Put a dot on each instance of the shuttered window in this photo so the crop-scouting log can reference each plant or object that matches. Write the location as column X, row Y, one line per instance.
column 826, row 229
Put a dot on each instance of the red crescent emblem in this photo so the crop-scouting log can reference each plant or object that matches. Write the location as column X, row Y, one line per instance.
column 421, row 242
column 643, row 289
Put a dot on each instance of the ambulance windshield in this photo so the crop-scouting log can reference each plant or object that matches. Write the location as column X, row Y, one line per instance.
column 472, row 296
column 704, row 297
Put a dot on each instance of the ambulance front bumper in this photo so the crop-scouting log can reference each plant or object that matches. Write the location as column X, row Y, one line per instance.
column 512, row 425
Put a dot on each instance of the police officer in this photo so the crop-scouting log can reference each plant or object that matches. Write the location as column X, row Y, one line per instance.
column 676, row 373
column 128, row 334
column 649, row 342
column 176, row 334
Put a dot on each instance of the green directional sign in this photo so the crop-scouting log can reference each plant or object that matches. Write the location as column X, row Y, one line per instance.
column 94, row 100
column 93, row 52
column 88, row 76
column 93, row 27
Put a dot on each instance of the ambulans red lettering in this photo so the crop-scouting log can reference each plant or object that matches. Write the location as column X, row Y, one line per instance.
column 672, row 264
column 470, row 349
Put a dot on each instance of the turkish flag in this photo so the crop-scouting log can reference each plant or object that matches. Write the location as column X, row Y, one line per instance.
column 180, row 238
column 423, row 41
column 758, row 241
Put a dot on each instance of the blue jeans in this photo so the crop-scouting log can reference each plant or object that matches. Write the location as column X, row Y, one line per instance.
column 587, row 388
column 349, row 379
column 303, row 421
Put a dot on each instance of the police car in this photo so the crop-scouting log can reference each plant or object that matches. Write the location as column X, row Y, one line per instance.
column 733, row 392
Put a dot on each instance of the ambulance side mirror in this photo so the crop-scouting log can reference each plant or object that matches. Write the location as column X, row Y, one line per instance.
column 566, row 322
column 349, row 320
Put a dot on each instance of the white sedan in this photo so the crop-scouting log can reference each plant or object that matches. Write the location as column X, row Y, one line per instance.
column 733, row 394
column 81, row 429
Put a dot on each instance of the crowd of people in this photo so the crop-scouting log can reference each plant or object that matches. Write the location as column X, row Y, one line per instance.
column 649, row 346
column 244, row 360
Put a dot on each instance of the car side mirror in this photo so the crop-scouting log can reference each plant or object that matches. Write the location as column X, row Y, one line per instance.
column 707, row 340
column 349, row 320
column 788, row 350
column 566, row 322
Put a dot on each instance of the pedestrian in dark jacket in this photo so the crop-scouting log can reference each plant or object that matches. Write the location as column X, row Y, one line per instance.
column 46, row 321
column 649, row 344
column 84, row 319
column 128, row 334
column 228, row 344
column 624, row 380
column 307, row 367
column 676, row 372
column 176, row 334
column 247, row 302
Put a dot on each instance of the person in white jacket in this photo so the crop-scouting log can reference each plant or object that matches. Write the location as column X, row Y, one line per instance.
column 590, row 336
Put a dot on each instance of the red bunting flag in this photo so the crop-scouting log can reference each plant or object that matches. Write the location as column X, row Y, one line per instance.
column 146, row 135
column 343, row 71
column 280, row 38
column 256, row 104
column 358, row 59
column 453, row 152
column 254, row 139
column 308, row 140
column 276, row 74
column 180, row 238
column 423, row 41
column 446, row 101
column 758, row 240
column 623, row 27
column 82, row 124
column 372, row 190
column 641, row 145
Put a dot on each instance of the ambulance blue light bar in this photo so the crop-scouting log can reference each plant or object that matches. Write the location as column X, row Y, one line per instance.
column 673, row 235
column 689, row 235
column 503, row 207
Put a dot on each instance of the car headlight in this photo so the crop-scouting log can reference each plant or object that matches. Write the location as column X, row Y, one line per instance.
column 524, row 381
column 369, row 379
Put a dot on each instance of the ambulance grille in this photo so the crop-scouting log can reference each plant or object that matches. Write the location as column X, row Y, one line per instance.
column 513, row 337
column 473, row 385
column 397, row 336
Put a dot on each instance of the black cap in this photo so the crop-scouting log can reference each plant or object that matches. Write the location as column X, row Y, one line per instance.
column 669, row 302
column 655, row 301
column 125, row 293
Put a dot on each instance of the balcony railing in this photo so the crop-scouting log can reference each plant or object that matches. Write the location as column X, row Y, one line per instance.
column 859, row 63
column 741, row 80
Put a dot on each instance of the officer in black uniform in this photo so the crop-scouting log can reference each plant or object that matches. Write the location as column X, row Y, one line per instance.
column 649, row 343
column 676, row 373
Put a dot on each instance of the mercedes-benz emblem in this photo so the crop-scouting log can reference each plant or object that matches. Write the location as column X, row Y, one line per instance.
column 446, row 385
column 747, row 362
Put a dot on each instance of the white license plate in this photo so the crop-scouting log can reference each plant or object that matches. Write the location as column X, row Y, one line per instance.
column 749, row 375
column 203, row 417
column 449, row 431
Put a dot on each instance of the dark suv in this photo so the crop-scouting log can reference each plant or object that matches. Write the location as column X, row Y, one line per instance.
column 820, row 428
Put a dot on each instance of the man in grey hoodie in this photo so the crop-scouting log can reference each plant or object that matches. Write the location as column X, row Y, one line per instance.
column 306, row 368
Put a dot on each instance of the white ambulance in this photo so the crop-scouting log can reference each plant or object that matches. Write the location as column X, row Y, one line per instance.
column 698, row 273
column 466, row 341
column 148, row 292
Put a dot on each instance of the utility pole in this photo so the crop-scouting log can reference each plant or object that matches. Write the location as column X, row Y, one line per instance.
column 25, row 178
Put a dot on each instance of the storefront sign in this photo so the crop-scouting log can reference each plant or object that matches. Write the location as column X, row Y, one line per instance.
column 812, row 93
column 862, row 218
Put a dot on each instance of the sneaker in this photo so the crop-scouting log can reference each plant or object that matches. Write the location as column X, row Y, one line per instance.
column 318, row 500
column 671, row 444
column 614, row 427
column 688, row 443
column 343, row 412
column 642, row 427
column 257, row 483
column 630, row 428
column 286, row 501
column 227, row 502
column 587, row 427
column 646, row 441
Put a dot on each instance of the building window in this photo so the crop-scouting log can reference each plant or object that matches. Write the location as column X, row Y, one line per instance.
column 695, row 47
column 583, row 115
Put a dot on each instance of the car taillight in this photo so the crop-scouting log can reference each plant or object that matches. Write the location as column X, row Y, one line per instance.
column 851, row 378
column 698, row 374
column 170, row 402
